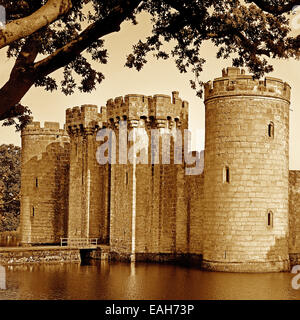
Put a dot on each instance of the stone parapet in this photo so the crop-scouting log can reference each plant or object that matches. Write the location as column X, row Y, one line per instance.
column 50, row 128
column 234, row 82
column 135, row 106
column 83, row 118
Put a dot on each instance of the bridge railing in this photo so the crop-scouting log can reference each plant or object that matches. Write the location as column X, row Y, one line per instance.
column 78, row 242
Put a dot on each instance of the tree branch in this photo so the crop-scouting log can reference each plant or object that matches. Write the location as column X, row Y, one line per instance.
column 21, row 78
column 26, row 72
column 277, row 10
column 24, row 27
column 98, row 29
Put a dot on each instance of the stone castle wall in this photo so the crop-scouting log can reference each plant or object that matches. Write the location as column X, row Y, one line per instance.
column 44, row 183
column 47, row 254
column 147, row 199
column 241, row 214
column 194, row 200
column 88, row 192
column 294, row 211
column 246, row 139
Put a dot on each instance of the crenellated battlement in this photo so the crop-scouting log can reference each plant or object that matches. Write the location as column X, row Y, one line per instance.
column 50, row 128
column 84, row 117
column 131, row 107
column 136, row 106
column 234, row 82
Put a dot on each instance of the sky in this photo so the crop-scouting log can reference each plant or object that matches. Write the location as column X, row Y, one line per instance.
column 157, row 77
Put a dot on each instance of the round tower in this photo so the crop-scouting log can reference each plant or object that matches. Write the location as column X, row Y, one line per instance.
column 246, row 174
column 44, row 183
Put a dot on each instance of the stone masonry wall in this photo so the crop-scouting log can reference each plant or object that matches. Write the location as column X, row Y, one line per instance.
column 19, row 256
column 194, row 199
column 147, row 199
column 246, row 174
column 44, row 183
column 294, row 211
column 89, row 189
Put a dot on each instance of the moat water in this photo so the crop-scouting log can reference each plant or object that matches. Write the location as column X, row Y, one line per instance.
column 105, row 280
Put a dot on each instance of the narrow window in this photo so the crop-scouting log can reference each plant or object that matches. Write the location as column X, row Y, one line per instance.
column 36, row 182
column 270, row 219
column 33, row 211
column 169, row 122
column 271, row 130
column 226, row 175
column 126, row 178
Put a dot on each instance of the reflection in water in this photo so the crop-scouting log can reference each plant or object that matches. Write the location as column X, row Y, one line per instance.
column 107, row 280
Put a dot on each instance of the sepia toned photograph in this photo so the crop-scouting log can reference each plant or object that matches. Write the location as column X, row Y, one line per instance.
column 149, row 153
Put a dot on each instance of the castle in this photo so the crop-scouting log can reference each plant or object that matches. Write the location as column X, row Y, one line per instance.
column 239, row 215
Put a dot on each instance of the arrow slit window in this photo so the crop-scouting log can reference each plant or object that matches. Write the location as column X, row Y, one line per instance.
column 271, row 130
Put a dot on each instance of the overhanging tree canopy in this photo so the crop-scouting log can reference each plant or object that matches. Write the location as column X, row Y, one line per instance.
column 44, row 36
